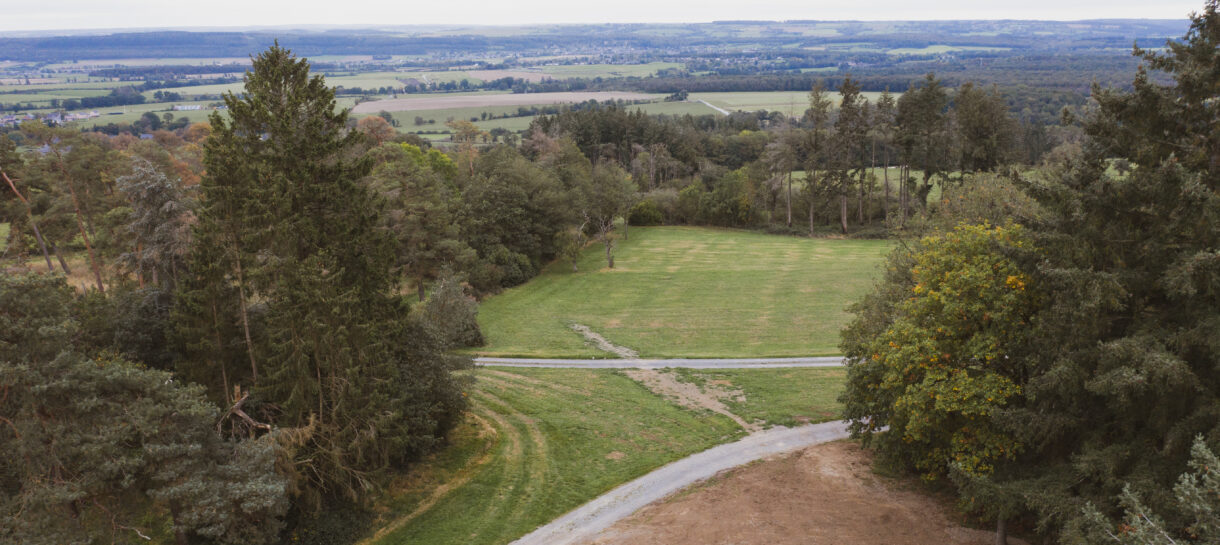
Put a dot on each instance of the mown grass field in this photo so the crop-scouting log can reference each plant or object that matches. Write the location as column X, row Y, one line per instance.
column 689, row 292
column 540, row 442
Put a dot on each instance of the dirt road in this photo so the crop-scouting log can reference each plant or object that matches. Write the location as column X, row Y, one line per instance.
column 584, row 523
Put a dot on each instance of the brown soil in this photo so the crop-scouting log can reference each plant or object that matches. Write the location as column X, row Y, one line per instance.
column 441, row 102
column 825, row 494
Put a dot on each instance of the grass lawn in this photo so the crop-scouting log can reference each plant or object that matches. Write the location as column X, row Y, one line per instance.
column 540, row 442
column 783, row 397
column 689, row 292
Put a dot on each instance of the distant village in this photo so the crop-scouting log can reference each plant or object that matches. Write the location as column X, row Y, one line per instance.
column 52, row 118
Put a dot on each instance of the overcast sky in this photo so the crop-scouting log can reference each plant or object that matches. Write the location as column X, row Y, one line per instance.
column 21, row 15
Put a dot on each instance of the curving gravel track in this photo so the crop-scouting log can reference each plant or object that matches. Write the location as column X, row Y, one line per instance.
column 689, row 363
column 586, row 521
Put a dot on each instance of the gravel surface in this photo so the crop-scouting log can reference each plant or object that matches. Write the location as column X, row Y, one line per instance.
column 591, row 518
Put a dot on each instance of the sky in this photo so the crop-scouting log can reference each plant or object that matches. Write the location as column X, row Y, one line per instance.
column 23, row 15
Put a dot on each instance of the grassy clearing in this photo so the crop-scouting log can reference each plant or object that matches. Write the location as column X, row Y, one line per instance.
column 783, row 397
column 4, row 231
column 689, row 292
column 538, row 443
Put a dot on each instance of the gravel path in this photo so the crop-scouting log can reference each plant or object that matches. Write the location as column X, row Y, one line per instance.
column 588, row 520
column 691, row 363
column 717, row 108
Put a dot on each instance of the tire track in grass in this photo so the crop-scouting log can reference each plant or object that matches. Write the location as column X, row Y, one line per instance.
column 464, row 475
column 531, row 467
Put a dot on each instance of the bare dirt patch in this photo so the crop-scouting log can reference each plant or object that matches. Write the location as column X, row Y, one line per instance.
column 616, row 455
column 442, row 102
column 604, row 344
column 825, row 494
column 692, row 396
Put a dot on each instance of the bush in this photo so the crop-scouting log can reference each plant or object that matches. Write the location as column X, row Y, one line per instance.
column 645, row 213
column 453, row 314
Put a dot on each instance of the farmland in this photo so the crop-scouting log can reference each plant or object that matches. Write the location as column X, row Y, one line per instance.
column 490, row 99
column 689, row 292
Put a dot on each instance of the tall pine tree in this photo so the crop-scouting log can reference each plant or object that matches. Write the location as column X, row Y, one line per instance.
column 293, row 275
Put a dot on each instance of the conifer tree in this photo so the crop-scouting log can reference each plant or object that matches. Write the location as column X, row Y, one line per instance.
column 291, row 253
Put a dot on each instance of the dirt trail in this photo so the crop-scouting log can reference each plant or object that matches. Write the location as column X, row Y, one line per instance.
column 824, row 494
column 603, row 344
column 690, row 395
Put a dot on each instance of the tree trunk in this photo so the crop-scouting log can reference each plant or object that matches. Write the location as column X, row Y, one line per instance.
column 62, row 263
column 609, row 256
column 419, row 288
column 789, row 198
column 810, row 216
column 245, row 321
column 885, row 205
column 1001, row 531
column 843, row 211
column 80, row 225
column 93, row 264
column 29, row 211
column 860, row 201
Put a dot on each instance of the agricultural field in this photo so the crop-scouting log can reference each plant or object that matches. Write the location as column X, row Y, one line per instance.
column 516, row 123
column 940, row 49
column 454, row 100
column 689, row 292
column 793, row 103
column 540, row 442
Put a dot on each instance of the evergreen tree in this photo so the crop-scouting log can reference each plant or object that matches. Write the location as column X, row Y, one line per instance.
column 356, row 386
column 89, row 448
column 924, row 133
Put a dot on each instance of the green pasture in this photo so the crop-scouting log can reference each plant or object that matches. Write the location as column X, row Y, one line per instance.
column 540, row 442
column 689, row 292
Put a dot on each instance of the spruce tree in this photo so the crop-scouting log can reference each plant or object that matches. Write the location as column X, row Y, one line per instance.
column 292, row 262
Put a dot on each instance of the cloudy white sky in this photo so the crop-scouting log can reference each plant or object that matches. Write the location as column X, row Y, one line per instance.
column 21, row 15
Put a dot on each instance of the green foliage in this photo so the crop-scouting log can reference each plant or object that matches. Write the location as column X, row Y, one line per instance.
column 645, row 213
column 422, row 207
column 453, row 314
column 160, row 218
column 90, row 448
column 292, row 278
column 1196, row 494
column 937, row 365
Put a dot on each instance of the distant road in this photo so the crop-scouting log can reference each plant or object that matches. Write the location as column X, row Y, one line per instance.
column 644, row 363
column 717, row 108
column 588, row 520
